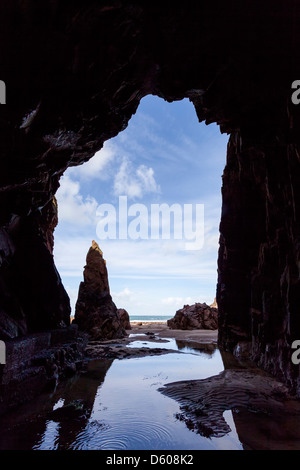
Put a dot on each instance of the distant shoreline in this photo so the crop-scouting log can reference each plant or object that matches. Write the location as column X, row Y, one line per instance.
column 148, row 322
column 144, row 322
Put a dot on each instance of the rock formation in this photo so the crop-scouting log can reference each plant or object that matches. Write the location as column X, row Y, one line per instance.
column 124, row 318
column 36, row 363
column 197, row 316
column 95, row 311
column 75, row 73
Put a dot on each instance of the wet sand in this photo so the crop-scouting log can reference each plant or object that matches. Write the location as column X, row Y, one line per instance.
column 149, row 332
column 162, row 330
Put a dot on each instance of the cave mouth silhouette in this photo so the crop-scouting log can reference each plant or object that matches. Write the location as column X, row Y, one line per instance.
column 85, row 67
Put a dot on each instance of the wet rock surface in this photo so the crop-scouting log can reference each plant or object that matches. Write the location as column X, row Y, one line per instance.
column 113, row 349
column 197, row 316
column 203, row 402
column 38, row 362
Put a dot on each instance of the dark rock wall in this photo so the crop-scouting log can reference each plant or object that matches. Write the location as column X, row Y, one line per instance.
column 32, row 295
column 259, row 257
column 75, row 73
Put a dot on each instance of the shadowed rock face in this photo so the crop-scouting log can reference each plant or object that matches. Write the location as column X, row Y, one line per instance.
column 75, row 73
column 124, row 317
column 95, row 312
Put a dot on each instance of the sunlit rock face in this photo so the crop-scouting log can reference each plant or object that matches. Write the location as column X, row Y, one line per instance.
column 75, row 73
column 95, row 311
column 197, row 316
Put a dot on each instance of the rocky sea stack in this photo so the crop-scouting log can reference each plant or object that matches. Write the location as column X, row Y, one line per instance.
column 95, row 311
column 197, row 316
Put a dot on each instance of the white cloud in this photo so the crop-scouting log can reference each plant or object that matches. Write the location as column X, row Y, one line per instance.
column 177, row 302
column 123, row 295
column 96, row 167
column 146, row 275
column 146, row 177
column 128, row 259
column 134, row 183
column 72, row 206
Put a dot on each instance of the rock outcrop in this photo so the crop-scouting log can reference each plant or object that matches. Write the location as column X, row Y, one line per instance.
column 36, row 363
column 192, row 317
column 95, row 311
column 124, row 318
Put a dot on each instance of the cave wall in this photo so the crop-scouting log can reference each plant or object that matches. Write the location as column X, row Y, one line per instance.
column 75, row 72
column 258, row 284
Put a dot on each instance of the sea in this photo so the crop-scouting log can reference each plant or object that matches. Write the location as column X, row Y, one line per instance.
column 149, row 318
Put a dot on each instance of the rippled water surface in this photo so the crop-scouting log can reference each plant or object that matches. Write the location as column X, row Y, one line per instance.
column 123, row 408
column 115, row 405
column 129, row 413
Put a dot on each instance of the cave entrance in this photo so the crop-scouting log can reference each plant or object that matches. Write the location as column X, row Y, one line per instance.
column 165, row 159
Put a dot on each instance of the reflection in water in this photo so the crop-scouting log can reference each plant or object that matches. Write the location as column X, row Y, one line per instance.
column 192, row 347
column 38, row 425
column 127, row 410
column 196, row 347
column 115, row 404
column 279, row 431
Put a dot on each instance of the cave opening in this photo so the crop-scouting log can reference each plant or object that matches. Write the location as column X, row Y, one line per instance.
column 165, row 160
column 85, row 67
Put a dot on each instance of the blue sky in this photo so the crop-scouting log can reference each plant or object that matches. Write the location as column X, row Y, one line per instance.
column 165, row 156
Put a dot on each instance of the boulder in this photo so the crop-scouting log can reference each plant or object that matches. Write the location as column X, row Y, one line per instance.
column 95, row 311
column 193, row 317
column 124, row 318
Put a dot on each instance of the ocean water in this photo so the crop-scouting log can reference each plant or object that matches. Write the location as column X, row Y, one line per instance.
column 149, row 318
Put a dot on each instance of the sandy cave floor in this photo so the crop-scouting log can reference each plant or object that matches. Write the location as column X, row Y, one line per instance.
column 242, row 387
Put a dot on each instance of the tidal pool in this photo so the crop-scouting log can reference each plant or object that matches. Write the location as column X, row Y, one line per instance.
column 115, row 405
column 129, row 413
column 122, row 407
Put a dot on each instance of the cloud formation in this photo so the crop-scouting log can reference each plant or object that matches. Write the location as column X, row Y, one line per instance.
column 72, row 206
column 97, row 167
column 177, row 302
column 134, row 183
column 163, row 157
